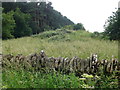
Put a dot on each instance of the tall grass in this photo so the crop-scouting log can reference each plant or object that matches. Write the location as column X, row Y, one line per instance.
column 22, row 79
column 76, row 43
column 27, row 79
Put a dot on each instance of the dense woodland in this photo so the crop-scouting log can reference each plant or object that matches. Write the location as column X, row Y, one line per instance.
column 24, row 19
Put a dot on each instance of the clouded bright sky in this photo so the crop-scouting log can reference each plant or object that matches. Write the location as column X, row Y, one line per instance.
column 91, row 13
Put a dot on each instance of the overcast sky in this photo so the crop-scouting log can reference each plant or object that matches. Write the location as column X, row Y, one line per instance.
column 92, row 13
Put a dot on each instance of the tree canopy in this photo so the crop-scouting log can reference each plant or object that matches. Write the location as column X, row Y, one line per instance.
column 8, row 25
column 22, row 24
column 78, row 26
column 112, row 26
column 25, row 19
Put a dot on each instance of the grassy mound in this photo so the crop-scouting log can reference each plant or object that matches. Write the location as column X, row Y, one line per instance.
column 64, row 43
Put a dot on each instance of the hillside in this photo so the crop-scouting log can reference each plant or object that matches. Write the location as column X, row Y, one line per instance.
column 41, row 48
column 59, row 43
column 25, row 19
column 62, row 42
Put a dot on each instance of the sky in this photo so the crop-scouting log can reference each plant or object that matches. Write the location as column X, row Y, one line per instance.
column 91, row 13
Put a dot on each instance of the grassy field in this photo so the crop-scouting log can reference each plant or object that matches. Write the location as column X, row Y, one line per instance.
column 65, row 43
column 62, row 43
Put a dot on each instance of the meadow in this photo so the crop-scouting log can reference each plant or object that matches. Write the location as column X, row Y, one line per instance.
column 64, row 43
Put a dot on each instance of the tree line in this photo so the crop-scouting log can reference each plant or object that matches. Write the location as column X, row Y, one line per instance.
column 25, row 19
column 112, row 26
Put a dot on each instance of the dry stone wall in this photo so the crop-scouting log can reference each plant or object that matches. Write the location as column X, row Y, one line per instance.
column 40, row 61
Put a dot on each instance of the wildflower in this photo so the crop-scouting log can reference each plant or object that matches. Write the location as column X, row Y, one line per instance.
column 87, row 76
column 83, row 79
column 97, row 77
column 85, row 86
column 5, row 86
